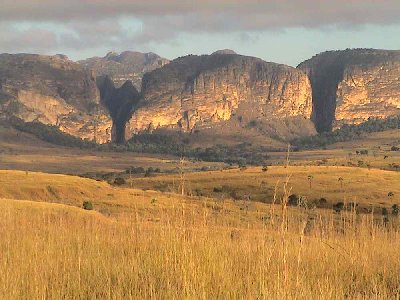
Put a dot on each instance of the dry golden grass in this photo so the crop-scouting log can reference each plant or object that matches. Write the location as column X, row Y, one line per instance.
column 54, row 251
column 361, row 185
column 153, row 245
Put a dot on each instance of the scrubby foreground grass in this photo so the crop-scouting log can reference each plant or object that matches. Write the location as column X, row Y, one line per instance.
column 56, row 251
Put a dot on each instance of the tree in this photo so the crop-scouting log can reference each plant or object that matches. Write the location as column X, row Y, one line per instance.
column 182, row 175
column 338, row 207
column 395, row 210
column 310, row 179
column 340, row 179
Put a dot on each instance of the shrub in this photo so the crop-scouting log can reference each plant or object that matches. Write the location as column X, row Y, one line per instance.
column 217, row 190
column 119, row 181
column 87, row 205
column 395, row 210
column 252, row 124
column 293, row 200
column 134, row 170
column 323, row 201
column 338, row 207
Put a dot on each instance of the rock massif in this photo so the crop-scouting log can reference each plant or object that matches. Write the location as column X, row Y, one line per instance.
column 198, row 91
column 220, row 94
column 54, row 91
column 126, row 66
column 353, row 85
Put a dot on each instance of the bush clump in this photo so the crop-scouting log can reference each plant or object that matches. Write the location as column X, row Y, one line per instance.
column 293, row 200
column 338, row 207
column 119, row 181
column 87, row 205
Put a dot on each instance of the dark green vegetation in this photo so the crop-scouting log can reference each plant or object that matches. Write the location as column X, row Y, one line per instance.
column 87, row 205
column 242, row 154
column 49, row 133
column 177, row 144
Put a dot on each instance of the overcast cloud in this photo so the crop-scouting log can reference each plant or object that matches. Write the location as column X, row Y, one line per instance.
column 63, row 25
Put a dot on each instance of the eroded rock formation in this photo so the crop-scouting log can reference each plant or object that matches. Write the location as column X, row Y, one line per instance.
column 352, row 85
column 196, row 91
column 54, row 91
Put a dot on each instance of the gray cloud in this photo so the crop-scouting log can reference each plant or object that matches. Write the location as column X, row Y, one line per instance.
column 268, row 12
column 30, row 40
column 95, row 23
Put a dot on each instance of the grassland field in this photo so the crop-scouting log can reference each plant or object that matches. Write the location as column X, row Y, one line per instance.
column 229, row 235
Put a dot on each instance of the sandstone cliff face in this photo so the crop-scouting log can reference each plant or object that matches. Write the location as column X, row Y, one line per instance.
column 53, row 91
column 120, row 102
column 352, row 85
column 197, row 91
column 127, row 66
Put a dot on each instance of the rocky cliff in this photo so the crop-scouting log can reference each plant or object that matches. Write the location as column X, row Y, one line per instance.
column 54, row 91
column 126, row 66
column 352, row 85
column 195, row 92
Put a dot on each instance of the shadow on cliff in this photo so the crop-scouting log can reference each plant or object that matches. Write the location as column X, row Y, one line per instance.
column 120, row 102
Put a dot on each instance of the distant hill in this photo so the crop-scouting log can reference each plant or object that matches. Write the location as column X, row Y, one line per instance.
column 127, row 65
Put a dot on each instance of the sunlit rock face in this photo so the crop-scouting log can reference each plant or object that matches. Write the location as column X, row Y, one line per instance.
column 197, row 91
column 353, row 85
column 54, row 91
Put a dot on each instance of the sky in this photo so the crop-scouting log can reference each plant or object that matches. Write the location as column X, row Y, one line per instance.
column 285, row 31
